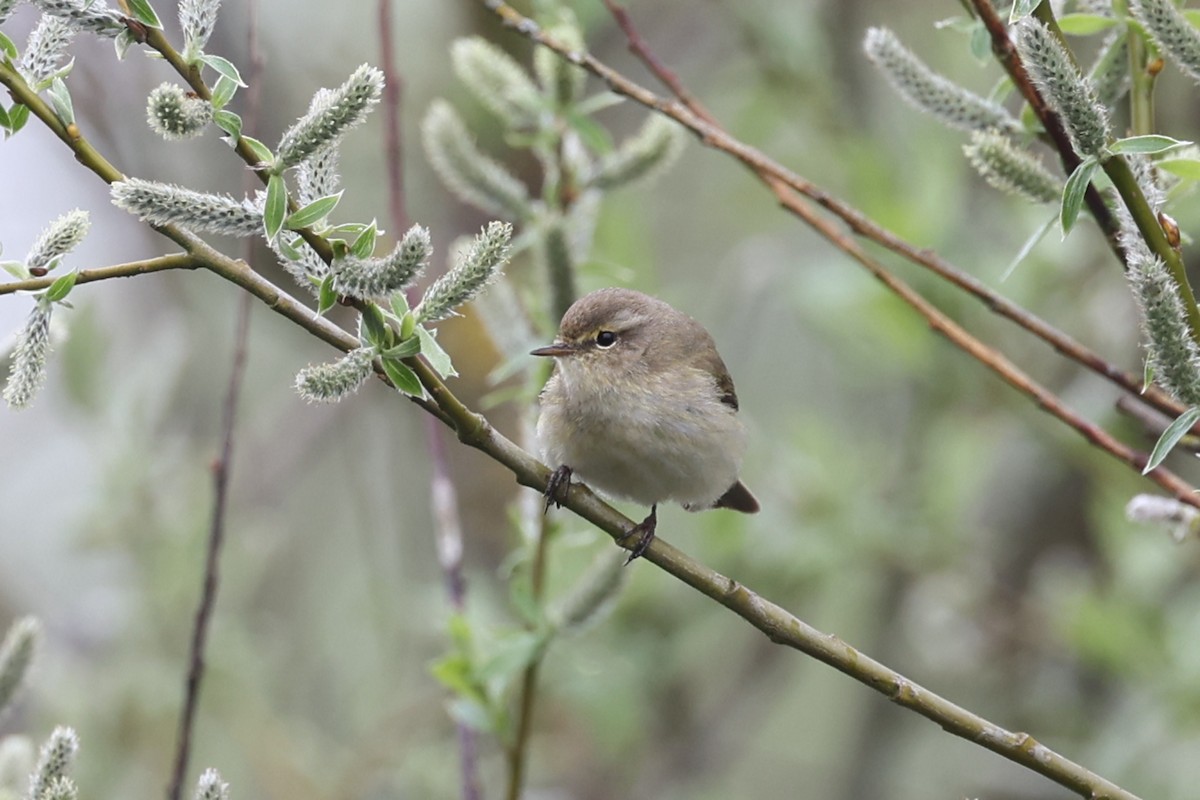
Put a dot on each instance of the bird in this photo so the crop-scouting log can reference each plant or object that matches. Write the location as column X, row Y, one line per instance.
column 641, row 407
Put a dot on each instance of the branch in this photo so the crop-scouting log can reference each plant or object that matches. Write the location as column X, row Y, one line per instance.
column 127, row 270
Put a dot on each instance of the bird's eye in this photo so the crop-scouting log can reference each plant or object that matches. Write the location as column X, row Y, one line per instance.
column 606, row 339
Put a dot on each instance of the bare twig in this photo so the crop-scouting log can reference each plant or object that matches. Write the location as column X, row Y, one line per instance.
column 221, row 468
column 126, row 270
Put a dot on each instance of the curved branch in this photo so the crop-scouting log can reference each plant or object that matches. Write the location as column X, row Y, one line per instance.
column 126, row 270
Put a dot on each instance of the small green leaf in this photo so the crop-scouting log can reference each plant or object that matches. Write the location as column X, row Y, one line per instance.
column 4, row 120
column 144, row 14
column 223, row 66
column 276, row 207
column 1027, row 247
column 406, row 349
column 1188, row 168
column 1147, row 375
column 229, row 122
column 510, row 655
column 980, row 43
column 593, row 134
column 7, row 48
column 1171, row 436
column 438, row 358
column 15, row 268
column 313, row 212
column 1085, row 24
column 400, row 308
column 407, row 324
column 364, row 245
column 222, row 92
column 375, row 328
column 122, row 43
column 62, row 287
column 18, row 115
column 1021, row 9
column 1074, row 191
column 1150, row 143
column 260, row 150
column 402, row 377
column 454, row 671
column 349, row 228
column 60, row 99
column 326, row 296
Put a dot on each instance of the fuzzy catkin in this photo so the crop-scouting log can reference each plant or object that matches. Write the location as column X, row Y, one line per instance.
column 931, row 92
column 1066, row 90
column 164, row 204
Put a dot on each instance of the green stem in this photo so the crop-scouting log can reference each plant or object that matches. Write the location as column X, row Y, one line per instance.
column 127, row 270
column 1141, row 80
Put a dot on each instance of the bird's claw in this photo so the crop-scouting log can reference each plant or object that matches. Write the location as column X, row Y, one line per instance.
column 557, row 487
column 644, row 530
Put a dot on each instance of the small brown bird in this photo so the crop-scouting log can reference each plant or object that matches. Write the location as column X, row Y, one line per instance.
column 642, row 407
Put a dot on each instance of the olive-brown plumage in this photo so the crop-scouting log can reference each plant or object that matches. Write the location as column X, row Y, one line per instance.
column 641, row 406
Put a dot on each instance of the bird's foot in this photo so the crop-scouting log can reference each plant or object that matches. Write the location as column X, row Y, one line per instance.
column 557, row 487
column 644, row 530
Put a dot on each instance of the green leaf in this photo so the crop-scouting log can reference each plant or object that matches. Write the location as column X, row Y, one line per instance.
column 406, row 349
column 276, row 208
column 229, row 122
column 222, row 92
column 1074, row 191
column 5, row 123
column 593, row 134
column 1150, row 143
column 1188, row 168
column 62, row 287
column 402, row 377
column 313, row 212
column 980, row 43
column 15, row 268
column 144, row 14
column 7, row 48
column 438, row 358
column 223, row 66
column 374, row 326
column 1147, row 375
column 18, row 115
column 60, row 99
column 1171, row 436
column 454, row 671
column 408, row 324
column 1021, row 9
column 326, row 296
column 364, row 245
column 399, row 308
column 1026, row 248
column 122, row 42
column 260, row 150
column 1085, row 24
column 510, row 655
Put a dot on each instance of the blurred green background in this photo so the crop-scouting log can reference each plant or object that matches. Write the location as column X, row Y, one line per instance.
column 912, row 503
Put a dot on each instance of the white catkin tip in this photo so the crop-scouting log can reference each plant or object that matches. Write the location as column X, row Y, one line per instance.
column 1179, row 518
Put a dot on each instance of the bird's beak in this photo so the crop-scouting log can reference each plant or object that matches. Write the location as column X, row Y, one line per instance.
column 556, row 349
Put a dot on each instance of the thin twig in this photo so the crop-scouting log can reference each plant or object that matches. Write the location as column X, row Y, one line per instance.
column 518, row 751
column 222, row 467
column 126, row 270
